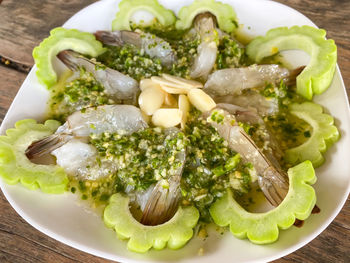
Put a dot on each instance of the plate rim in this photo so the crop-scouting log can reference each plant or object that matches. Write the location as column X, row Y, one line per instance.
column 99, row 253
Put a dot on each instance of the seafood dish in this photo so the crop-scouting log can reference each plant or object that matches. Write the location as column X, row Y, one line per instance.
column 167, row 126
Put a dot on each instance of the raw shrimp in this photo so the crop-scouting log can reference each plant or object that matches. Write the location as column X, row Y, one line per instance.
column 152, row 45
column 79, row 159
column 233, row 81
column 272, row 181
column 242, row 114
column 251, row 99
column 120, row 87
column 163, row 202
column 205, row 26
column 270, row 147
column 124, row 119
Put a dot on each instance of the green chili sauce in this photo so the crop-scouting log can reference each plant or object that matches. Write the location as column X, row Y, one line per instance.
column 288, row 130
column 78, row 94
column 131, row 61
column 84, row 91
column 148, row 156
column 211, row 167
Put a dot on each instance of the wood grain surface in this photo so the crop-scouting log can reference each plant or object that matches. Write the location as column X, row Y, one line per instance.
column 24, row 23
column 27, row 22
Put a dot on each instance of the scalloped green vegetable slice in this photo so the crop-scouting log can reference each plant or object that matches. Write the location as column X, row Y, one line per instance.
column 318, row 74
column 323, row 134
column 224, row 13
column 15, row 166
column 175, row 233
column 62, row 39
column 263, row 228
column 128, row 7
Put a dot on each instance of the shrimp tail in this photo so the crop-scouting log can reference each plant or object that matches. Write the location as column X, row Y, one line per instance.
column 70, row 59
column 46, row 145
column 118, row 38
column 163, row 203
column 274, row 184
column 74, row 61
column 293, row 74
column 271, row 179
column 205, row 25
column 109, row 38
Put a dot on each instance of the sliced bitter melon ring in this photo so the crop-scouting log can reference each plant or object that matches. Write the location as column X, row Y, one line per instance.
column 62, row 39
column 15, row 166
column 175, row 233
column 323, row 134
column 224, row 13
column 318, row 74
column 128, row 7
column 263, row 228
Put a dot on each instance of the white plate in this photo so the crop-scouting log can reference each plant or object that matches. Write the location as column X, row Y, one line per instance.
column 63, row 218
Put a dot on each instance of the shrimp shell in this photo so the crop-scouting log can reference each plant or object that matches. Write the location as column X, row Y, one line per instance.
column 153, row 46
column 272, row 181
column 251, row 116
column 96, row 120
column 252, row 99
column 79, row 159
column 163, row 202
column 122, row 88
column 233, row 81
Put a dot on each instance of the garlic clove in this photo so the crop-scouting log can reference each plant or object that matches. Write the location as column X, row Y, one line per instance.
column 167, row 118
column 146, row 83
column 182, row 81
column 170, row 101
column 201, row 100
column 171, row 84
column 146, row 117
column 151, row 99
column 184, row 106
column 173, row 90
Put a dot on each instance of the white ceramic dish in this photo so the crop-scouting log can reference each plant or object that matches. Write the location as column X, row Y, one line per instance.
column 63, row 218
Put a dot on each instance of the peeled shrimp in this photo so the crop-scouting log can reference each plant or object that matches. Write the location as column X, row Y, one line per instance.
column 152, row 45
column 270, row 146
column 124, row 119
column 272, row 181
column 120, row 87
column 251, row 99
column 206, row 51
column 79, row 159
column 233, row 81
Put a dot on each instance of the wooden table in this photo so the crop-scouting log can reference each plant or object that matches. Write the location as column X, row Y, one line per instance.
column 24, row 23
